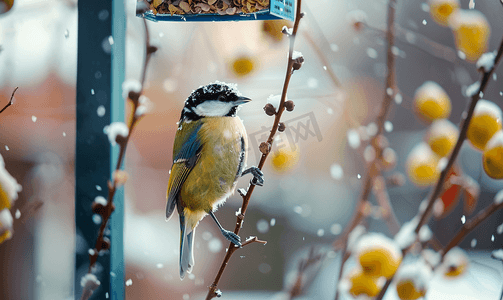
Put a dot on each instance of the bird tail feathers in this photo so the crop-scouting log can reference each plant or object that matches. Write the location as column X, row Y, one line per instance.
column 186, row 248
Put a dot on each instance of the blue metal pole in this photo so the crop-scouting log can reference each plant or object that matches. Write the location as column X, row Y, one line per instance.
column 117, row 219
column 100, row 72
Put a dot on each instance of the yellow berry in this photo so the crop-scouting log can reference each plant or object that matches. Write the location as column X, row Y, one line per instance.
column 492, row 158
column 379, row 262
column 243, row 66
column 471, row 33
column 273, row 29
column 363, row 284
column 441, row 10
column 406, row 290
column 442, row 137
column 6, row 235
column 422, row 164
column 285, row 158
column 4, row 200
column 378, row 255
column 486, row 121
column 455, row 262
column 431, row 102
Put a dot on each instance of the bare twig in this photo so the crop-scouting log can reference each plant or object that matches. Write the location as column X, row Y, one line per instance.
column 253, row 239
column 462, row 136
column 382, row 196
column 101, row 243
column 470, row 225
column 323, row 59
column 416, row 39
column 299, row 285
column 374, row 168
column 10, row 101
column 213, row 291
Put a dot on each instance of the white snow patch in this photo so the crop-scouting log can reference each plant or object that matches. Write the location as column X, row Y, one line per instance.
column 472, row 89
column 89, row 282
column 115, row 129
column 130, row 85
column 498, row 199
column 354, row 236
column 486, row 61
column 296, row 55
column 274, row 100
column 8, row 183
column 373, row 240
column 101, row 200
column 497, row 254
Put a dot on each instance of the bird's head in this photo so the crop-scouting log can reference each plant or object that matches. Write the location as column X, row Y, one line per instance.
column 218, row 99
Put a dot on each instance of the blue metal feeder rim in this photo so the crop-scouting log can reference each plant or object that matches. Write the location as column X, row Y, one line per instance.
column 278, row 9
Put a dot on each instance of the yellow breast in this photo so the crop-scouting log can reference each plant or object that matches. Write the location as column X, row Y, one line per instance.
column 223, row 157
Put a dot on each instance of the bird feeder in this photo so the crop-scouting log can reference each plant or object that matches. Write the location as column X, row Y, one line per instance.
column 218, row 10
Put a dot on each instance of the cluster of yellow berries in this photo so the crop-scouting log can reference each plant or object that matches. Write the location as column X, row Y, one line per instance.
column 470, row 27
column 378, row 258
column 433, row 106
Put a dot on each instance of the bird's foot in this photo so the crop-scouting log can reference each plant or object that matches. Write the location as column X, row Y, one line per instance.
column 258, row 176
column 232, row 237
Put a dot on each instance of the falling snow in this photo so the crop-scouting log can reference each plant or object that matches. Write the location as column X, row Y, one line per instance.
column 336, row 171
column 101, row 111
column 262, row 226
column 353, row 138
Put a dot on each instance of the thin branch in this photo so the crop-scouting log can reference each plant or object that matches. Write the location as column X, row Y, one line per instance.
column 374, row 168
column 101, row 243
column 470, row 225
column 382, row 196
column 10, row 101
column 465, row 119
column 415, row 39
column 323, row 59
column 253, row 240
column 213, row 291
column 300, row 282
column 344, row 257
column 462, row 136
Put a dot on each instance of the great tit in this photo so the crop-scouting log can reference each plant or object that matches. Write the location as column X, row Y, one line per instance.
column 209, row 155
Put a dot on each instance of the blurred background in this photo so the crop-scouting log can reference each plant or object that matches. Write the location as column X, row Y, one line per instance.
column 311, row 187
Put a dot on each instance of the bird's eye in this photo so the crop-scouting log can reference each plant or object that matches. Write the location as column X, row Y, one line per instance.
column 221, row 98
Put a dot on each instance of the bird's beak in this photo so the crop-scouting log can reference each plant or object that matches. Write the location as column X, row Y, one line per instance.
column 242, row 100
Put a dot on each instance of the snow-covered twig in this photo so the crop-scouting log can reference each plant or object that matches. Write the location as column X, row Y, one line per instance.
column 120, row 134
column 265, row 148
column 10, row 101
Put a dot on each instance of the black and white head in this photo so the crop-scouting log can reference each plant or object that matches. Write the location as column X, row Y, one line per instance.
column 218, row 99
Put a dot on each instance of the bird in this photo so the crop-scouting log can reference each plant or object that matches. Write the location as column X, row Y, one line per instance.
column 209, row 155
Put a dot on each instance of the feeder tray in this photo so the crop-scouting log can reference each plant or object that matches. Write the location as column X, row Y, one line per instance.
column 219, row 10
